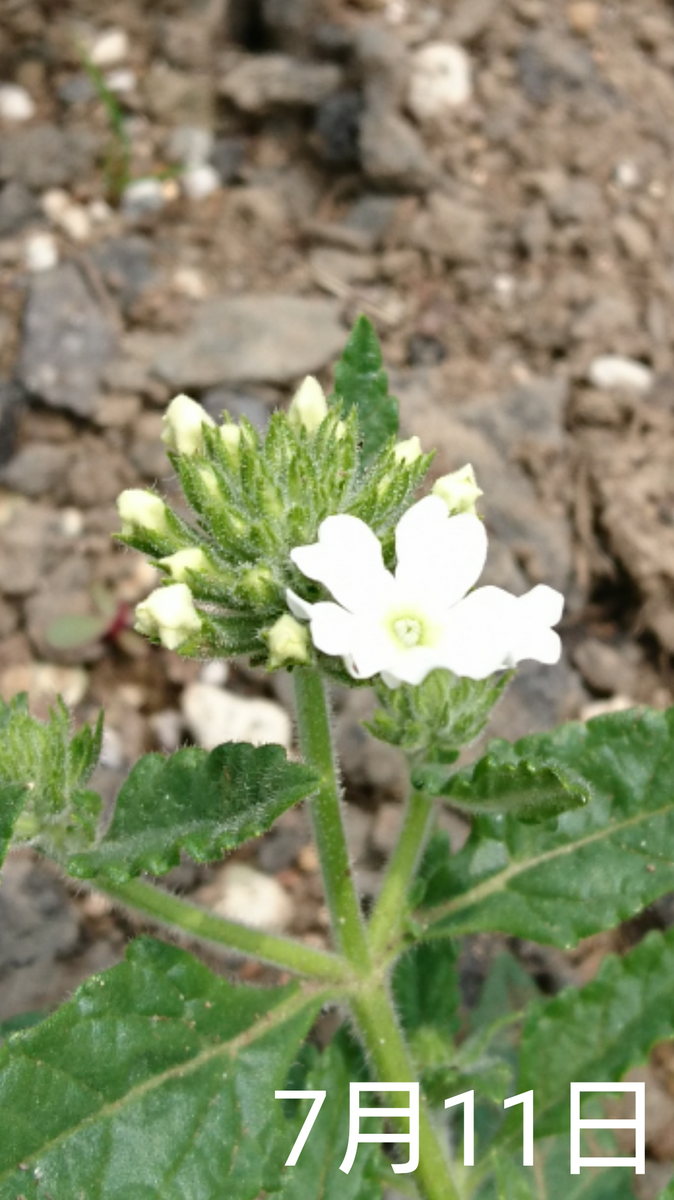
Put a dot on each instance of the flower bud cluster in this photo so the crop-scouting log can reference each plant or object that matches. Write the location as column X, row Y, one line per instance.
column 254, row 498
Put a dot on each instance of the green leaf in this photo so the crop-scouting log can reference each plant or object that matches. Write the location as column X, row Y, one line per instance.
column 551, row 1179
column 64, row 633
column 43, row 773
column 155, row 1082
column 597, row 866
column 435, row 720
column 502, row 782
column 426, row 988
column 599, row 1031
column 316, row 1175
column 203, row 803
column 361, row 383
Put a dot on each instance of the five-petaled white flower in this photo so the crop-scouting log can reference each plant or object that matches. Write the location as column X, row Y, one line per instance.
column 404, row 625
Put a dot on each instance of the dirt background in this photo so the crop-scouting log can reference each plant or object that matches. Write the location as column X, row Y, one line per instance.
column 493, row 184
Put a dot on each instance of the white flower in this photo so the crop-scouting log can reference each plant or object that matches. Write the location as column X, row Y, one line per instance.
column 459, row 490
column 140, row 509
column 308, row 406
column 184, row 422
column 169, row 614
column 402, row 626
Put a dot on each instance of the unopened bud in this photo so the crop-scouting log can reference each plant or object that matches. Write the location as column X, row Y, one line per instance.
column 288, row 642
column 230, row 436
column 308, row 407
column 184, row 422
column 258, row 585
column 142, row 510
column 407, row 452
column 458, row 490
column 190, row 559
column 169, row 614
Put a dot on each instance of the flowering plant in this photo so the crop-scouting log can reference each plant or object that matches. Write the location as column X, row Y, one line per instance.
column 309, row 550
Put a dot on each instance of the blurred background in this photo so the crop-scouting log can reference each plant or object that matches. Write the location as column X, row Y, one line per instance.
column 201, row 196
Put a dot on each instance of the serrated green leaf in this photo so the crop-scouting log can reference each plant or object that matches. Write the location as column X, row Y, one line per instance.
column 426, row 988
column 362, row 383
column 598, row 866
column 502, row 782
column 156, row 1080
column 600, row 1031
column 203, row 803
column 316, row 1176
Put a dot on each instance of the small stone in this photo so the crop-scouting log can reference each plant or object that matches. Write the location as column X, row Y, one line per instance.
column 605, row 319
column 582, row 16
column 122, row 81
column 392, row 152
column 16, row 104
column 603, row 667
column 44, row 682
column 188, row 281
column 451, row 229
column 471, row 18
column 128, row 268
column 243, row 894
column 216, row 673
column 227, row 157
column 634, row 238
column 338, row 121
column 214, row 716
column 18, row 207
column 141, row 197
column 190, row 145
column 200, row 182
column 110, row 47
column 601, row 708
column 615, row 371
column 63, row 212
column 386, row 828
column 167, row 727
column 258, row 83
column 38, row 468
column 40, row 252
column 179, row 97
column 46, row 156
column 440, row 81
column 627, row 175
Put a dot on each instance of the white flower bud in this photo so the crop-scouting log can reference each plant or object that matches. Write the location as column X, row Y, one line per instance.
column 288, row 642
column 184, row 421
column 231, row 439
column 169, row 614
column 408, row 451
column 191, row 559
column 142, row 510
column 308, row 406
column 458, row 490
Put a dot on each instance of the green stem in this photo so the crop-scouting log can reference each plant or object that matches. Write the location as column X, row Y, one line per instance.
column 188, row 918
column 390, row 911
column 387, row 1051
column 316, row 744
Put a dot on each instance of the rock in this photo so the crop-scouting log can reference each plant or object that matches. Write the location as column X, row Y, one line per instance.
column 214, row 716
column 18, row 207
column 371, row 217
column 243, row 894
column 604, row 319
column 279, row 848
column 179, row 97
column 574, row 199
column 471, row 18
column 274, row 338
column 110, row 47
column 45, row 682
column 440, row 81
column 538, row 698
column 40, row 252
column 606, row 669
column 16, row 104
column 583, row 16
column 549, row 63
column 122, row 81
column 338, row 128
column 67, row 341
column 451, row 229
column 615, row 371
column 47, row 156
column 227, row 157
column 64, row 593
column 143, row 196
column 127, row 267
column 366, row 762
column 167, row 726
column 38, row 468
column 11, row 397
column 386, row 828
column 190, row 145
column 29, row 546
column 634, row 238
column 238, row 405
column 392, row 153
column 258, row 83
column 200, row 182
column 63, row 212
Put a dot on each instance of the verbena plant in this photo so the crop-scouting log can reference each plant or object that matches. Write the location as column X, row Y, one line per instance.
column 157, row 1080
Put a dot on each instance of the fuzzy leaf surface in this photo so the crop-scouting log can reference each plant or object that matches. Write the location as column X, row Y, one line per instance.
column 592, row 867
column 551, row 1179
column 155, row 1082
column 433, row 721
column 362, row 383
column 204, row 803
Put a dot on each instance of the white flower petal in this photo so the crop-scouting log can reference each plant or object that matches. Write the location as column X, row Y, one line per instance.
column 299, row 608
column 542, row 605
column 369, row 652
column 390, row 680
column 478, row 633
column 542, row 645
column 531, row 636
column 347, row 560
column 413, row 664
column 332, row 628
column 439, row 556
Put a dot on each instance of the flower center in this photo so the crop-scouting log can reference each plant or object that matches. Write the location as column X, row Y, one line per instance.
column 408, row 631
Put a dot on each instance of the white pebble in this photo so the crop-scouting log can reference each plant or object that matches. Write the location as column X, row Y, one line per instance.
column 121, row 81
column 626, row 174
column 15, row 103
column 214, row 716
column 615, row 371
column 188, row 281
column 142, row 196
column 199, row 182
column 40, row 252
column 440, row 80
column 215, row 672
column 167, row 727
column 66, row 214
column 252, row 897
column 190, row 145
column 110, row 47
column 100, row 212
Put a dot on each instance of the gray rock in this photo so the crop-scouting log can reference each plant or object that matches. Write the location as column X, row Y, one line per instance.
column 288, row 21
column 38, row 468
column 258, row 83
column 455, row 231
column 30, row 545
column 605, row 319
column 366, row 762
column 67, row 341
column 338, row 122
column 470, row 19
column 372, row 216
column 237, row 404
column 550, row 63
column 392, row 152
column 272, row 338
column 18, row 207
column 127, row 266
column 227, row 157
column 11, row 397
column 538, row 698
column 46, row 156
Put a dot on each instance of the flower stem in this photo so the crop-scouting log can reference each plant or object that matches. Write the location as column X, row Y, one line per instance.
column 388, row 1054
column 179, row 914
column 316, row 744
column 390, row 910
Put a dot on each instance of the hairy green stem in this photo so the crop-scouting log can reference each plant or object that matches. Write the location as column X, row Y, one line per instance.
column 179, row 914
column 313, row 720
column 389, row 913
column 386, row 1049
